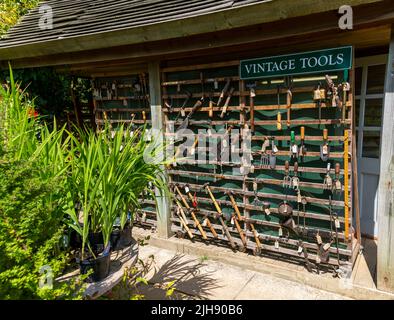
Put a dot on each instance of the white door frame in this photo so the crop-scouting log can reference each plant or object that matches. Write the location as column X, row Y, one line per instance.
column 369, row 164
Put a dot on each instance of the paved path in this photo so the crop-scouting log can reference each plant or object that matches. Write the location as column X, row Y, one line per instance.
column 201, row 278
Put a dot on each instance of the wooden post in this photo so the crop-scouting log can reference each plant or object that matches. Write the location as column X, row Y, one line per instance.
column 163, row 202
column 385, row 263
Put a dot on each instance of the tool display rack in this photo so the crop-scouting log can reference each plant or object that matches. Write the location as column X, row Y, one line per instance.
column 274, row 239
column 125, row 100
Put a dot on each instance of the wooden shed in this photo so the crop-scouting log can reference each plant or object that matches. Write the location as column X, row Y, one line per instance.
column 152, row 61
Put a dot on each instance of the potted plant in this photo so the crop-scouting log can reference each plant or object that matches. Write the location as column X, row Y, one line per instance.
column 107, row 178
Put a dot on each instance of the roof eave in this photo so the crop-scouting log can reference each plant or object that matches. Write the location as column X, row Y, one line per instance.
column 239, row 17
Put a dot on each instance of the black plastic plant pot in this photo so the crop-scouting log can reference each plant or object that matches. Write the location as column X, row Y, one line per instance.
column 95, row 238
column 75, row 240
column 115, row 237
column 126, row 236
column 100, row 267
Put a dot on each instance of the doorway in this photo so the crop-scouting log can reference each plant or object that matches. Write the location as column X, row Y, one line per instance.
column 370, row 77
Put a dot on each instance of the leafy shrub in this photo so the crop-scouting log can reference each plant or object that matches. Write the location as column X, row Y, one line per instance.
column 31, row 233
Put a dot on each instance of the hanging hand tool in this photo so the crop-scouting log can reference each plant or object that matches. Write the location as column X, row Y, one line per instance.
column 303, row 150
column 170, row 105
column 194, row 146
column 289, row 102
column 195, row 205
column 197, row 106
column 337, row 226
column 345, row 88
column 237, row 218
column 325, row 148
column 182, row 111
column 264, row 160
column 183, row 219
column 211, row 103
column 319, row 95
column 279, row 116
column 144, row 116
column 284, row 208
column 274, row 150
column 224, row 110
column 287, row 179
column 224, row 91
column 222, row 144
column 257, row 250
column 252, row 95
column 327, row 183
column 190, row 210
column 337, row 187
column 293, row 147
column 220, row 214
column 295, row 181
column 332, row 92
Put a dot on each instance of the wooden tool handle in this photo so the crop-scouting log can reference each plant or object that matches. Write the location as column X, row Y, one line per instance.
column 287, row 166
column 256, row 236
column 213, row 231
column 204, row 235
column 325, row 134
column 182, row 197
column 239, row 229
column 295, row 167
column 235, row 206
column 210, row 112
column 144, row 116
column 337, row 168
column 252, row 110
column 218, row 209
column 183, row 220
column 279, row 121
column 302, row 133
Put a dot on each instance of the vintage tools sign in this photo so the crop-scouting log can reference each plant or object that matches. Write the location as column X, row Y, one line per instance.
column 334, row 59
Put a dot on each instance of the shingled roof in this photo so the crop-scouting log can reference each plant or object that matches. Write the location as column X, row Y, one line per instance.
column 73, row 18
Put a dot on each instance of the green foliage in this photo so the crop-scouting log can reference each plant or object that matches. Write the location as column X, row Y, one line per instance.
column 12, row 10
column 108, row 177
column 33, row 167
column 31, row 230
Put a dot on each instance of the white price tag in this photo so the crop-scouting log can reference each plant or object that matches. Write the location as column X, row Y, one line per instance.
column 318, row 239
column 337, row 224
column 318, row 260
column 325, row 149
column 276, row 244
column 187, row 190
column 267, row 212
column 232, row 221
column 280, row 232
column 300, row 250
column 204, row 223
column 294, row 148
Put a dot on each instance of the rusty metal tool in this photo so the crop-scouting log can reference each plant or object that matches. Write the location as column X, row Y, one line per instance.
column 265, row 159
column 295, row 180
column 327, row 183
column 272, row 156
column 226, row 104
column 224, row 91
column 345, row 88
column 337, row 186
column 197, row 106
column 220, row 216
column 211, row 103
column 206, row 219
column 190, row 210
column 325, row 148
column 287, row 179
column 182, row 110
column 289, row 102
column 257, row 250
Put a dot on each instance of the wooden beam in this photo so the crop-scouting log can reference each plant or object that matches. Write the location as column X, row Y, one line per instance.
column 385, row 263
column 163, row 201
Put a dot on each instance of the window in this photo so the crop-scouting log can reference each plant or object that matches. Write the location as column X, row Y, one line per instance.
column 369, row 77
